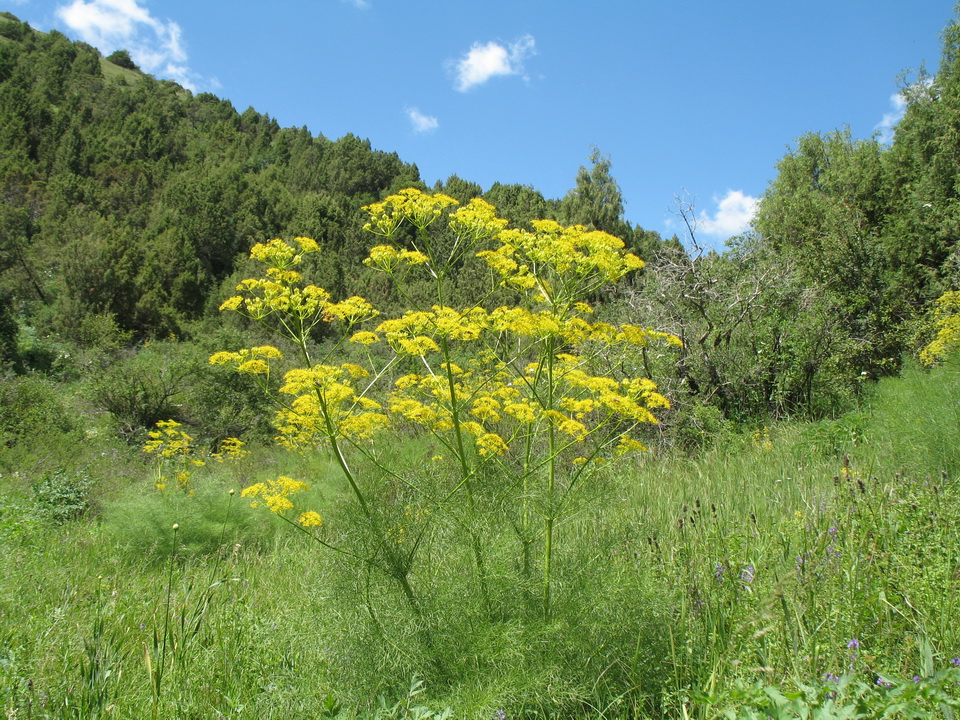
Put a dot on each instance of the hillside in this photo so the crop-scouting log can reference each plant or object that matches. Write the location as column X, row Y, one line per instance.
column 130, row 197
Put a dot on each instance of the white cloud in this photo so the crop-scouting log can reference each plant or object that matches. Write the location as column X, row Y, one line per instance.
column 889, row 122
column 733, row 215
column 422, row 123
column 109, row 25
column 483, row 62
column 359, row 4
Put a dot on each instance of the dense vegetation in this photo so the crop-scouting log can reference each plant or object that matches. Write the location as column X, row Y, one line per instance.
column 792, row 524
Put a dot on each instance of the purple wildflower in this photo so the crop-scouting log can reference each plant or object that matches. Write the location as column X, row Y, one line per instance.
column 500, row 714
column 956, row 661
column 747, row 574
column 830, row 677
column 916, row 678
column 853, row 644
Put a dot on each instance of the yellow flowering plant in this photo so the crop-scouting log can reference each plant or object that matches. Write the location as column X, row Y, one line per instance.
column 177, row 455
column 947, row 322
column 521, row 405
column 519, row 393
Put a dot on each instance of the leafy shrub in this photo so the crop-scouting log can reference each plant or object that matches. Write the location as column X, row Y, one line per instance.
column 173, row 380
column 62, row 495
column 30, row 405
column 144, row 388
column 121, row 58
column 699, row 427
column 47, row 353
column 835, row 437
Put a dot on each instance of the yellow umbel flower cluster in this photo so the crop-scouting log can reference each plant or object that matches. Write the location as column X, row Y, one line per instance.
column 325, row 404
column 469, row 225
column 564, row 265
column 274, row 494
column 231, row 448
column 410, row 205
column 168, row 440
column 947, row 316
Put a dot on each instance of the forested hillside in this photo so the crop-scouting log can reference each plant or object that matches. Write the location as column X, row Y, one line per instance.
column 130, row 197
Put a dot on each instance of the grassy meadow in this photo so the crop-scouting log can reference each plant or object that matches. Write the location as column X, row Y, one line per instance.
column 808, row 568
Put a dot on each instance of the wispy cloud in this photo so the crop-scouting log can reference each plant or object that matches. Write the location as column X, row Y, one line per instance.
column 421, row 123
column 483, row 62
column 155, row 45
column 360, row 4
column 733, row 215
column 885, row 128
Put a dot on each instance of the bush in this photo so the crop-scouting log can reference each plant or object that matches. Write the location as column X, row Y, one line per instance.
column 62, row 495
column 174, row 381
column 121, row 58
column 30, row 405
column 144, row 389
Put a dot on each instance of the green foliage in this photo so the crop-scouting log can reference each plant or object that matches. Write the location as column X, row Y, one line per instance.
column 596, row 201
column 699, row 427
column 31, row 405
column 9, row 329
column 842, row 698
column 62, row 495
column 834, row 437
column 144, row 388
column 209, row 521
column 919, row 415
column 11, row 27
column 121, row 58
column 18, row 520
column 172, row 380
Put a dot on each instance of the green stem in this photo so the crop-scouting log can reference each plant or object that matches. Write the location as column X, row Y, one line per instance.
column 551, row 482
column 525, row 532
column 466, row 473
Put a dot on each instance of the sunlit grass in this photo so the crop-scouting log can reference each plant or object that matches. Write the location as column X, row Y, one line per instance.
column 682, row 579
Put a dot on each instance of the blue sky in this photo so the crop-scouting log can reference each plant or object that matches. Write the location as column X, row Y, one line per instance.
column 695, row 98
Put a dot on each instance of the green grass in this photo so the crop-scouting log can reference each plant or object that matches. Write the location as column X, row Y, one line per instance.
column 684, row 588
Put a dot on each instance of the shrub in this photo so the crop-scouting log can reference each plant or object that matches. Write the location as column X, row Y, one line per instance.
column 62, row 495
column 30, row 405
column 121, row 58
column 145, row 388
